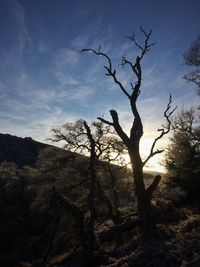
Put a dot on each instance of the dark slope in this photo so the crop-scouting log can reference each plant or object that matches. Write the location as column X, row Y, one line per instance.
column 22, row 151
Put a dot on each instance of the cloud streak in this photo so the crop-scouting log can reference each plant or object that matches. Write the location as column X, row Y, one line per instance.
column 23, row 35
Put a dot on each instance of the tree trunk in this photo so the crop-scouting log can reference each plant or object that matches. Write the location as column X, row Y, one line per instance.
column 143, row 201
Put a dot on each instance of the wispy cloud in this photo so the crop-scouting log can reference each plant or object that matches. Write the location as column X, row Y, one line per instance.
column 23, row 35
column 81, row 41
column 66, row 57
column 63, row 66
column 64, row 78
column 75, row 81
column 42, row 47
column 25, row 119
column 80, row 94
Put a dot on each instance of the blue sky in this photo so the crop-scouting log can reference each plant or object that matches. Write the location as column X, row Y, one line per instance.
column 46, row 81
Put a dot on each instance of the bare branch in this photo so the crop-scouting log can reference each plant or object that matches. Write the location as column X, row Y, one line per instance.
column 105, row 121
column 110, row 71
column 132, row 38
column 99, row 53
column 163, row 131
column 133, row 67
column 146, row 46
column 118, row 128
column 168, row 115
column 193, row 76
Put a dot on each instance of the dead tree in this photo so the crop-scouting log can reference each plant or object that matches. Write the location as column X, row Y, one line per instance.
column 132, row 142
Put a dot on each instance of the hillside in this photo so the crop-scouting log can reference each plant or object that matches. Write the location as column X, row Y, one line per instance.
column 28, row 172
column 22, row 151
column 37, row 231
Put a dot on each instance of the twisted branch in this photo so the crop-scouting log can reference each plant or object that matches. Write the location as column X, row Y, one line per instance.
column 110, row 71
column 163, row 131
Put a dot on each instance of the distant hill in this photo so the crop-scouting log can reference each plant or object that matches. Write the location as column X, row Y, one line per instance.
column 22, row 151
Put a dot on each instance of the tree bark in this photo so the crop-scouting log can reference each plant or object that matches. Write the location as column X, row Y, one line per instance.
column 143, row 201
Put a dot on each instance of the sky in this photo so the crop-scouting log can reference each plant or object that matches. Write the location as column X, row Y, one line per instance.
column 45, row 81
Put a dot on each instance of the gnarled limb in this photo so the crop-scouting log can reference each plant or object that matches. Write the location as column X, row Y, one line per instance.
column 110, row 71
column 153, row 186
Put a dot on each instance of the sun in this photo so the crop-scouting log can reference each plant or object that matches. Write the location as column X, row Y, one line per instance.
column 154, row 164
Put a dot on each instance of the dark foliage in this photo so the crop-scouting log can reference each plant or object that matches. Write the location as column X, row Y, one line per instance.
column 192, row 59
column 29, row 223
column 183, row 154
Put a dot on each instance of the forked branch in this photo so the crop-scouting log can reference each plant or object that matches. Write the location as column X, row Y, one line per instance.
column 163, row 131
column 146, row 46
column 109, row 69
column 144, row 49
column 117, row 126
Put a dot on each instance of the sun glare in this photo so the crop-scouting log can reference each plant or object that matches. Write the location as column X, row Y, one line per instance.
column 153, row 165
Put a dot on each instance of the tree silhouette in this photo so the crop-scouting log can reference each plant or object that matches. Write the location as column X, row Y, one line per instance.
column 183, row 153
column 98, row 142
column 102, row 145
column 132, row 142
column 192, row 58
column 85, row 230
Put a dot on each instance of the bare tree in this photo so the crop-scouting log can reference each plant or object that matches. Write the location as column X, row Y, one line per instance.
column 106, row 148
column 79, row 137
column 85, row 229
column 132, row 142
column 192, row 58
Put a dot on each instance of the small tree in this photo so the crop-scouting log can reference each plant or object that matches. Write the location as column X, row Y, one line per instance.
column 132, row 142
column 85, row 230
column 188, row 122
column 192, row 59
column 183, row 153
column 102, row 145
column 108, row 147
column 80, row 138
